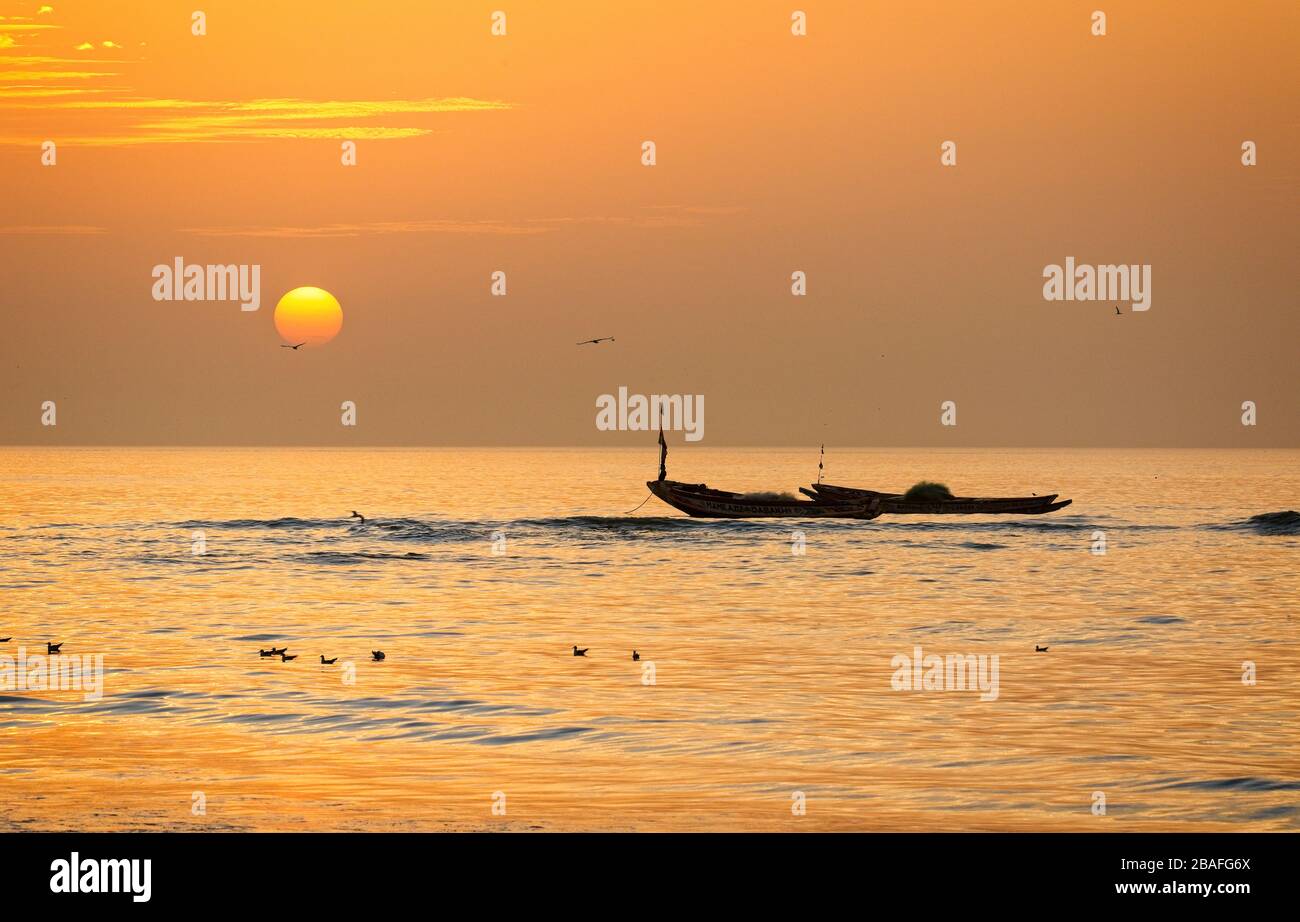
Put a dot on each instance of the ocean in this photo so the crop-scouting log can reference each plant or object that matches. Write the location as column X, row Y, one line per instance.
column 775, row 687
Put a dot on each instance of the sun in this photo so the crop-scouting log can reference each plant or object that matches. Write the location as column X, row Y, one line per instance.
column 308, row 315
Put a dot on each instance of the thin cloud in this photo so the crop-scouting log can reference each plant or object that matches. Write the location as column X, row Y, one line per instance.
column 171, row 121
column 38, row 230
column 710, row 210
column 106, row 115
column 292, row 108
column 371, row 228
column 27, row 60
column 522, row 227
column 40, row 92
column 53, row 74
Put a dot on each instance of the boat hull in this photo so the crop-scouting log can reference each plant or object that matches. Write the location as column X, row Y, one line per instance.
column 895, row 504
column 699, row 501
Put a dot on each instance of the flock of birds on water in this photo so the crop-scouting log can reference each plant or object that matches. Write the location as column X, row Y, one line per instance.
column 375, row 655
column 283, row 652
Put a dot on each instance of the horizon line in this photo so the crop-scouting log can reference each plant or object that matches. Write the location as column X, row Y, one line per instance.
column 535, row 447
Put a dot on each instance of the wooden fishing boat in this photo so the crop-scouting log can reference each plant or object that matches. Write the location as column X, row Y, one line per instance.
column 895, row 504
column 700, row 501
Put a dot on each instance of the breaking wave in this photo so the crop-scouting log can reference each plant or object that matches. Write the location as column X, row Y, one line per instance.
column 1268, row 523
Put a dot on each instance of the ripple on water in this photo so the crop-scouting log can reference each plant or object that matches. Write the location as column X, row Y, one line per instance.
column 344, row 558
column 552, row 734
column 1226, row 784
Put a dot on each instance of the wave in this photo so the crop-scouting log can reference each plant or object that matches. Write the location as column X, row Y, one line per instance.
column 1227, row 784
column 286, row 522
column 399, row 529
column 645, row 524
column 350, row 557
column 372, row 718
column 1286, row 522
column 418, row 530
column 632, row 527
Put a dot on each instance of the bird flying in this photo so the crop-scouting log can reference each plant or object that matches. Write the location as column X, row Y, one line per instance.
column 595, row 341
column 294, row 348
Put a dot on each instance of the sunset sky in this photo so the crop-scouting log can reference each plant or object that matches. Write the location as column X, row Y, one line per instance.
column 775, row 153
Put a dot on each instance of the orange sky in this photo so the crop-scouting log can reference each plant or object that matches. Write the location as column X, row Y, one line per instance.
column 775, row 153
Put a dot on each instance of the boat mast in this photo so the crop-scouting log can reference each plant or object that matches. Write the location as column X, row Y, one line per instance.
column 663, row 449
